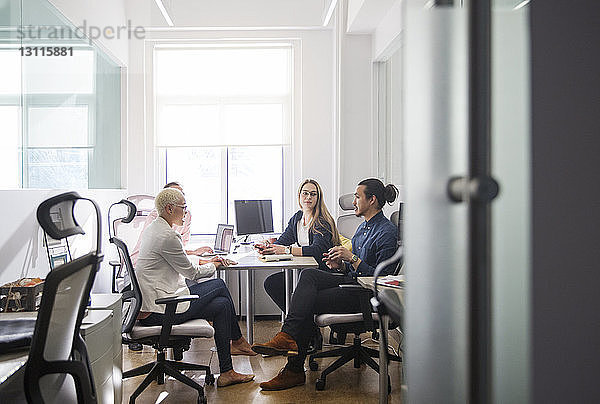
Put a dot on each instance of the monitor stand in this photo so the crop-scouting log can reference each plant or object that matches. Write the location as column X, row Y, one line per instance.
column 245, row 240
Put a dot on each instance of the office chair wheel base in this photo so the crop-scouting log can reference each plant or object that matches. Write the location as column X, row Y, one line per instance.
column 202, row 400
column 209, row 380
column 134, row 346
column 178, row 354
column 313, row 365
column 320, row 384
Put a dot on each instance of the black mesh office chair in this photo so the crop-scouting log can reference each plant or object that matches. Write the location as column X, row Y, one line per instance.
column 354, row 323
column 177, row 337
column 129, row 229
column 58, row 369
column 350, row 323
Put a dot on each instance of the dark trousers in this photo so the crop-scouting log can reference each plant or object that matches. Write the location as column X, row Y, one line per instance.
column 317, row 292
column 214, row 304
column 275, row 288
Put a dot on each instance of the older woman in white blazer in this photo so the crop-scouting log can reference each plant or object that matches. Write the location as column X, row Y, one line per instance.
column 162, row 269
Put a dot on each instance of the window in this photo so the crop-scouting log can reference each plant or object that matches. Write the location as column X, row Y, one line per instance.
column 223, row 126
column 50, row 107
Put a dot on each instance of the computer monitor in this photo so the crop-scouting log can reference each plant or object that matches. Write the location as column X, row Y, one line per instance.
column 253, row 216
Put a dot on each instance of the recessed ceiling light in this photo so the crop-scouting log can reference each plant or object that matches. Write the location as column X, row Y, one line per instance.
column 164, row 12
column 332, row 5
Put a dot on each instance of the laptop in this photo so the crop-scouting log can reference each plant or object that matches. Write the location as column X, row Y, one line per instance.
column 223, row 240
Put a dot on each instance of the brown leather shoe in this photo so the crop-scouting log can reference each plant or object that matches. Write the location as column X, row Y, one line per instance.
column 285, row 379
column 281, row 344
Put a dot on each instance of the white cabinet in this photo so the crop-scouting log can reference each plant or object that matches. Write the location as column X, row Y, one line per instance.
column 112, row 302
column 97, row 331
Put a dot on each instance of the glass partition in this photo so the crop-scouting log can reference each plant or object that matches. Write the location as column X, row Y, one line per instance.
column 60, row 103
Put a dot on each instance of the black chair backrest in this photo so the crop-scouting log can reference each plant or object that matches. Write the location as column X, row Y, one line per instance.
column 132, row 298
column 131, row 211
column 58, row 366
column 56, row 216
column 400, row 223
column 398, row 219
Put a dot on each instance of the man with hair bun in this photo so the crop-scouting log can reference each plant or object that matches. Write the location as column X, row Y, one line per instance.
column 317, row 291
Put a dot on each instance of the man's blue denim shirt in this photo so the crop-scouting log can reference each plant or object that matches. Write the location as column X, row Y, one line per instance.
column 374, row 241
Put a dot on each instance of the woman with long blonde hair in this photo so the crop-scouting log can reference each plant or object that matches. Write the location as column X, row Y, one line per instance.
column 310, row 232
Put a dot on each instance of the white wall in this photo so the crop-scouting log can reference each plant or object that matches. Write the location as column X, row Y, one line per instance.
column 373, row 35
column 357, row 140
column 101, row 14
column 21, row 251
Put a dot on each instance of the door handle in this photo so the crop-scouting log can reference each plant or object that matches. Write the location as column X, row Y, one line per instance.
column 479, row 189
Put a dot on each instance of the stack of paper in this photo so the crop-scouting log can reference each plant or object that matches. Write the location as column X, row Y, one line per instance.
column 392, row 281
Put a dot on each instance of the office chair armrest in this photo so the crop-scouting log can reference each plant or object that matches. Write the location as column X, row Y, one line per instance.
column 176, row 299
column 357, row 288
column 169, row 317
column 364, row 296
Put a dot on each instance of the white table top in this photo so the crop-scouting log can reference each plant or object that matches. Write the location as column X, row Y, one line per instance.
column 250, row 261
column 10, row 363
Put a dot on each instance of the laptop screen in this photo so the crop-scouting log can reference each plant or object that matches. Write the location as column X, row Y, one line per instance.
column 224, row 237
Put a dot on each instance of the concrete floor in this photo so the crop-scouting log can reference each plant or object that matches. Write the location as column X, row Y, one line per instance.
column 347, row 384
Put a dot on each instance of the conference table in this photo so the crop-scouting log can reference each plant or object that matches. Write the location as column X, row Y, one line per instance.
column 250, row 261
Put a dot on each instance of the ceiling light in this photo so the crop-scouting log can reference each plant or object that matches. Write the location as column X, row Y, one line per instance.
column 521, row 4
column 163, row 11
column 332, row 5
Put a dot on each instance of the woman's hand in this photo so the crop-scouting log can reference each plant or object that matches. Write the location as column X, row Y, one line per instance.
column 273, row 249
column 200, row 251
column 220, row 261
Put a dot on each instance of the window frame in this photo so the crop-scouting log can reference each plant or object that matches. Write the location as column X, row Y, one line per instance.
column 292, row 119
column 28, row 101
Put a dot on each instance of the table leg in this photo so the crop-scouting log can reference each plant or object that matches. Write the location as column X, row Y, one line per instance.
column 383, row 359
column 288, row 289
column 283, row 313
column 250, row 305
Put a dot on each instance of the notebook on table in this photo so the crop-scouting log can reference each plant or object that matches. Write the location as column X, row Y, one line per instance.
column 276, row 257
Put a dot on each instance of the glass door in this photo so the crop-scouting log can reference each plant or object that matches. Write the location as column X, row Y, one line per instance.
column 466, row 157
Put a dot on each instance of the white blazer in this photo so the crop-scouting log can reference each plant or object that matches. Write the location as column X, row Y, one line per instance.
column 162, row 267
